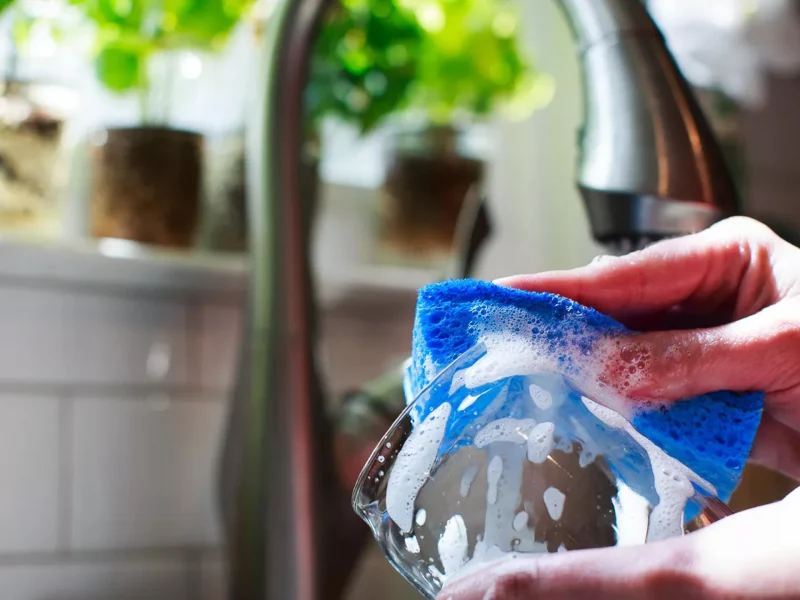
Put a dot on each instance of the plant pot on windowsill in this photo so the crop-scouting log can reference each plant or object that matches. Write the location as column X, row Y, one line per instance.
column 33, row 158
column 147, row 185
column 429, row 176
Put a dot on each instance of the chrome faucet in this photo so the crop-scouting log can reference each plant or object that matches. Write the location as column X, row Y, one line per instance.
column 649, row 168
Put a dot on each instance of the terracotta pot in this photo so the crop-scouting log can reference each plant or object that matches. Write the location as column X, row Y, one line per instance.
column 147, row 186
column 428, row 179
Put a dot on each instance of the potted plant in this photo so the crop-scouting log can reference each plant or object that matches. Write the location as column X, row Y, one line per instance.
column 147, row 179
column 445, row 64
column 33, row 161
column 471, row 65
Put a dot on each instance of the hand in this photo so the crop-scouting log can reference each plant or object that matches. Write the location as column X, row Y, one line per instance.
column 721, row 310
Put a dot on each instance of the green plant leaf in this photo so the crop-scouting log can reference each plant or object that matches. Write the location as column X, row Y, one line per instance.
column 119, row 68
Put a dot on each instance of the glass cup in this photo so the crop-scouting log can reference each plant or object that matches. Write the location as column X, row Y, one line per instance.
column 524, row 464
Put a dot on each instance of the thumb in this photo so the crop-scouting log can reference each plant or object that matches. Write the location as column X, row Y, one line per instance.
column 760, row 352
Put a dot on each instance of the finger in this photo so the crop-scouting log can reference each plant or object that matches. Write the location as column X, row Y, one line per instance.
column 704, row 269
column 615, row 573
column 761, row 352
column 713, row 563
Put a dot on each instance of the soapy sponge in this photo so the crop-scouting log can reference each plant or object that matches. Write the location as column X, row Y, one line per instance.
column 711, row 434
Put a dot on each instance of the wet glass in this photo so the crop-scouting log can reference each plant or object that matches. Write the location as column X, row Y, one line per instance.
column 524, row 464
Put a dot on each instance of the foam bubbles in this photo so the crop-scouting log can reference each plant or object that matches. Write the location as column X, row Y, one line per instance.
column 673, row 480
column 554, row 502
column 421, row 517
column 467, row 477
column 542, row 398
column 518, row 343
column 632, row 512
column 412, row 544
column 504, row 430
column 467, row 402
column 453, row 545
column 493, row 474
column 413, row 465
column 540, row 442
column 520, row 521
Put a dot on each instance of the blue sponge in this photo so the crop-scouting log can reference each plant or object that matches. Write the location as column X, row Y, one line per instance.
column 711, row 434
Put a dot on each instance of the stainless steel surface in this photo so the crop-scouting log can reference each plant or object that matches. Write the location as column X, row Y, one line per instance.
column 646, row 154
column 648, row 162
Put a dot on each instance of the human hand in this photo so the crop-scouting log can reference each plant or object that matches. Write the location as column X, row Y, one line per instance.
column 721, row 310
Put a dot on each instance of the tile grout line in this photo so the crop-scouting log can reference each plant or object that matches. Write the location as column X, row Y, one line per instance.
column 193, row 336
column 193, row 585
column 66, row 470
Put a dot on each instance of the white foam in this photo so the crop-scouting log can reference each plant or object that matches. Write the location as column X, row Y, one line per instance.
column 517, row 344
column 673, row 480
column 520, row 521
column 632, row 512
column 421, row 517
column 554, row 502
column 453, row 545
column 541, row 442
column 467, row 402
column 467, row 477
column 504, row 430
column 542, row 398
column 412, row 544
column 413, row 465
column 457, row 383
column 493, row 474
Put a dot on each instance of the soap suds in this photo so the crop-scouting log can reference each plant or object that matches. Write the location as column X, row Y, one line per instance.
column 453, row 545
column 413, row 465
column 504, row 430
column 412, row 544
column 542, row 398
column 457, row 383
column 467, row 478
column 540, row 442
column 554, row 502
column 673, row 480
column 493, row 474
column 467, row 402
column 517, row 344
column 520, row 521
column 422, row 515
column 632, row 512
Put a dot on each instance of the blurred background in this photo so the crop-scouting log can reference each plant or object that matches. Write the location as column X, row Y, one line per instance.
column 124, row 126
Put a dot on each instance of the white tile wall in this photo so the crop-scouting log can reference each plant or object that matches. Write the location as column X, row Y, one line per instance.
column 67, row 337
column 29, row 472
column 144, row 472
column 109, row 469
column 219, row 345
column 212, row 579
column 129, row 580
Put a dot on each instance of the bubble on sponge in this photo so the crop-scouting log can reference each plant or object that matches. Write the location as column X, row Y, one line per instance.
column 711, row 434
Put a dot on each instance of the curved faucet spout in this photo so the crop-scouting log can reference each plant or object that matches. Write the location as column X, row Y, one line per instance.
column 649, row 167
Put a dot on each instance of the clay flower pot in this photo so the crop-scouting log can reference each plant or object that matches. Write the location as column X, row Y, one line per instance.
column 147, row 185
column 428, row 179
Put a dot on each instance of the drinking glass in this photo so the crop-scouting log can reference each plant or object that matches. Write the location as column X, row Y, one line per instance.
column 521, row 465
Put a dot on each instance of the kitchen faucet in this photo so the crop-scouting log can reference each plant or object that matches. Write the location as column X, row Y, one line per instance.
column 648, row 168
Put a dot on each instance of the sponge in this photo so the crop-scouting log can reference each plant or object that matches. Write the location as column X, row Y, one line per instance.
column 711, row 434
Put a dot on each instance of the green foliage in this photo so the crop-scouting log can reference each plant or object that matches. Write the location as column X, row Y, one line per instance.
column 363, row 63
column 129, row 32
column 440, row 58
column 471, row 60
